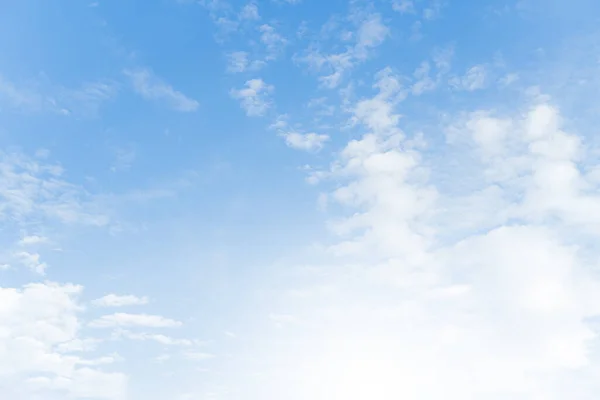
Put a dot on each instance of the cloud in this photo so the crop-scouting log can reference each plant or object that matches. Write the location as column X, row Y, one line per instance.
column 249, row 12
column 31, row 261
column 42, row 97
column 474, row 79
column 123, row 159
column 254, row 97
column 35, row 321
column 479, row 273
column 273, row 41
column 433, row 11
column 32, row 240
column 161, row 339
column 371, row 33
column 424, row 82
column 150, row 87
column 305, row 141
column 34, row 191
column 113, row 300
column 239, row 61
column 137, row 320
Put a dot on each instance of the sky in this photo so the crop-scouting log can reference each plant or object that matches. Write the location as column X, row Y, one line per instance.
column 299, row 199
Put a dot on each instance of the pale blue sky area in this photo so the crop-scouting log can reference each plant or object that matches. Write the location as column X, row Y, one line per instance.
column 299, row 199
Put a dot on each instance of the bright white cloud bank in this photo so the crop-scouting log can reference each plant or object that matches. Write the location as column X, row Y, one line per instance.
column 488, row 289
column 34, row 322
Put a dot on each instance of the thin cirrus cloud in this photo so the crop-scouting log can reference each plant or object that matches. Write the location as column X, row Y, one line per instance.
column 150, row 87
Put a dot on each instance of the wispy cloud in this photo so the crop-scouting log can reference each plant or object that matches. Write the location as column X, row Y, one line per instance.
column 475, row 78
column 114, row 300
column 126, row 320
column 371, row 33
column 150, row 87
column 39, row 97
column 153, row 337
column 33, row 190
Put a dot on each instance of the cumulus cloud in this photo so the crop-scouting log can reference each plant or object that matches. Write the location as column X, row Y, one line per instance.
column 488, row 288
column 35, row 322
column 150, row 87
column 254, row 97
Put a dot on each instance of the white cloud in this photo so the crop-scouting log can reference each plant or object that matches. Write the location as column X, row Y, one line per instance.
column 31, row 261
column 85, row 100
column 161, row 339
column 239, row 61
column 249, row 12
column 32, row 240
column 476, row 269
column 475, row 78
column 150, row 87
column 19, row 97
column 35, row 321
column 273, row 41
column 133, row 320
column 371, row 33
column 305, row 141
column 114, row 300
column 509, row 79
column 424, row 82
column 34, row 191
column 254, row 97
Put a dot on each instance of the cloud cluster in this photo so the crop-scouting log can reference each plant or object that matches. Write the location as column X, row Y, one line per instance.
column 34, row 322
column 428, row 284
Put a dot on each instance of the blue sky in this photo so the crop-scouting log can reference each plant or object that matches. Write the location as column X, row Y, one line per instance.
column 223, row 199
